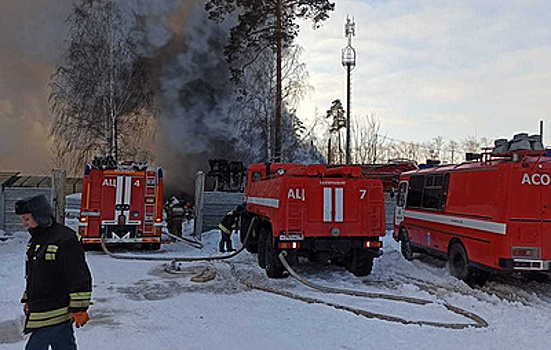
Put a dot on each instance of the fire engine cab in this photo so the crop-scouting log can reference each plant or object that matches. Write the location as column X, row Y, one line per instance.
column 490, row 214
column 317, row 211
column 122, row 201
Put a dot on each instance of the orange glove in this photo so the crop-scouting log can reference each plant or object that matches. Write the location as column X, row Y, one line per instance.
column 26, row 309
column 80, row 318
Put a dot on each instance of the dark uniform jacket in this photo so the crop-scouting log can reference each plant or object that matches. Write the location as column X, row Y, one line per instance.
column 229, row 223
column 58, row 279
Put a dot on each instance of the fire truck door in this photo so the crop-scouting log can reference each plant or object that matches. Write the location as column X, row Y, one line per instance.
column 400, row 203
column 134, row 198
column 526, row 205
column 122, row 200
column 111, row 195
column 326, row 204
column 340, row 203
column 546, row 214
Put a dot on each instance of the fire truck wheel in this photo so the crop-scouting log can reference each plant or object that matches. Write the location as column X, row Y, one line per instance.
column 360, row 264
column 274, row 267
column 252, row 245
column 153, row 246
column 405, row 245
column 458, row 262
column 92, row 247
column 341, row 262
column 263, row 233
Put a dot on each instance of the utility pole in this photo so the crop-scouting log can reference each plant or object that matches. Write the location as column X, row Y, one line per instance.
column 278, row 119
column 113, row 146
column 349, row 62
column 59, row 180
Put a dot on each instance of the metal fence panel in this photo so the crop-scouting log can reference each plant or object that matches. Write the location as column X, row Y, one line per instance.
column 216, row 205
column 9, row 221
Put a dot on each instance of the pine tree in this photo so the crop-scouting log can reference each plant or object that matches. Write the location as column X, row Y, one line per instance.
column 266, row 25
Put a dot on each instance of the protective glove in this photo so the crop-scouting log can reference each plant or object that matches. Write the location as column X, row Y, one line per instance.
column 80, row 318
column 26, row 309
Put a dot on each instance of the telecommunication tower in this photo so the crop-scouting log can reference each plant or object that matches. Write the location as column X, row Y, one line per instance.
column 349, row 62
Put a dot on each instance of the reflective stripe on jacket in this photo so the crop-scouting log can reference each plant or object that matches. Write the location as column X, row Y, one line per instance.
column 58, row 279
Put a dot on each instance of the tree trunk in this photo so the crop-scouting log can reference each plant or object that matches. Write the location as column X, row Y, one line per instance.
column 329, row 151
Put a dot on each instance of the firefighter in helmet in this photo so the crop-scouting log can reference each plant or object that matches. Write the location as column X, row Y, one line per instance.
column 175, row 216
column 59, row 283
column 189, row 213
column 227, row 226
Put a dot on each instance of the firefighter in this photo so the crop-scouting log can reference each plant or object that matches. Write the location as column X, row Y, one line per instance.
column 227, row 226
column 189, row 212
column 175, row 214
column 59, row 284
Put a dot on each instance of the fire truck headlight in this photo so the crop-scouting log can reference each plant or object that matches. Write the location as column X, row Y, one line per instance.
column 158, row 219
column 83, row 219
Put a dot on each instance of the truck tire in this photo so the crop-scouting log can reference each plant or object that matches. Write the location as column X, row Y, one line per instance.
column 458, row 264
column 263, row 232
column 153, row 246
column 360, row 263
column 252, row 244
column 405, row 245
column 274, row 267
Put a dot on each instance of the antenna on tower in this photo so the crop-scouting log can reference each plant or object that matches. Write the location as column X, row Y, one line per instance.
column 349, row 29
column 349, row 62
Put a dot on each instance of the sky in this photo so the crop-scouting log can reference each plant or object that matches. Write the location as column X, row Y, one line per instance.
column 450, row 68
column 426, row 68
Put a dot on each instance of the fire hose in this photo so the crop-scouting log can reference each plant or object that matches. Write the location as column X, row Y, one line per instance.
column 479, row 322
column 176, row 259
column 191, row 242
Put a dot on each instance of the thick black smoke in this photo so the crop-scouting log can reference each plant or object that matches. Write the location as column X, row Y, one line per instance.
column 194, row 91
column 191, row 77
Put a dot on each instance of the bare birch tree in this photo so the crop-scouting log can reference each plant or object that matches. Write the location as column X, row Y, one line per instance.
column 254, row 107
column 367, row 140
column 101, row 82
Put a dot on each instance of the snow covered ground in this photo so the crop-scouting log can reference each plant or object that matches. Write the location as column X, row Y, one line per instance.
column 137, row 305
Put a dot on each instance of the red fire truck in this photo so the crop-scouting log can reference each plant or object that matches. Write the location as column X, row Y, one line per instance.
column 492, row 214
column 316, row 211
column 389, row 172
column 124, row 202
